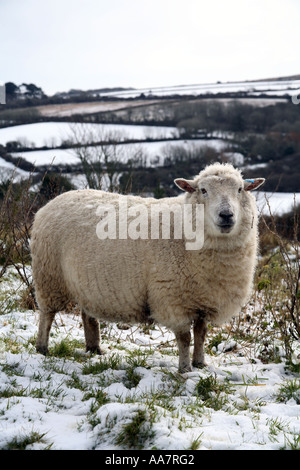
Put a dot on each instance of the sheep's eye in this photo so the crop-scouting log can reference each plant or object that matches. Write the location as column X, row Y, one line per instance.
column 203, row 191
column 240, row 189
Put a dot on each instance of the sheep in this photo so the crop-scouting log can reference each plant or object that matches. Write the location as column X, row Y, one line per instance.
column 135, row 279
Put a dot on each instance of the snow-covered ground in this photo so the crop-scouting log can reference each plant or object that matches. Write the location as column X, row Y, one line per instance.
column 154, row 152
column 52, row 134
column 274, row 87
column 75, row 401
column 8, row 169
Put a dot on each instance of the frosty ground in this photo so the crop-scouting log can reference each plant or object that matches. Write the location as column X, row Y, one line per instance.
column 133, row 397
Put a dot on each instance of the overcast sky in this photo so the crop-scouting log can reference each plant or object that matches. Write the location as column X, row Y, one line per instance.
column 64, row 44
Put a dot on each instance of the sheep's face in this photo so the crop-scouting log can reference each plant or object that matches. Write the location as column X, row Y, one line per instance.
column 224, row 197
column 222, row 200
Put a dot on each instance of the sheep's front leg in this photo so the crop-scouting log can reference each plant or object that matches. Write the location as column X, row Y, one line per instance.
column 200, row 329
column 183, row 342
column 92, row 333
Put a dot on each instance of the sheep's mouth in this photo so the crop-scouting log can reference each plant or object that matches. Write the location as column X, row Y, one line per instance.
column 226, row 228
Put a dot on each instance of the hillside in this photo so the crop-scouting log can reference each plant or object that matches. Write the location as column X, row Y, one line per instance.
column 254, row 124
column 31, row 95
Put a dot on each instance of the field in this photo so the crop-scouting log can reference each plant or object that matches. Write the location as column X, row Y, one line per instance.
column 61, row 110
column 274, row 87
column 153, row 141
column 53, row 134
column 133, row 397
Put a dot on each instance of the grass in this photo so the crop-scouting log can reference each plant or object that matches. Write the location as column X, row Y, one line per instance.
column 105, row 363
column 24, row 441
column 136, row 433
column 196, row 442
column 212, row 392
column 66, row 348
column 289, row 391
column 292, row 442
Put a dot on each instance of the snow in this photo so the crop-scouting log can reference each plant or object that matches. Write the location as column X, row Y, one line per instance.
column 52, row 134
column 154, row 152
column 278, row 203
column 273, row 87
column 49, row 157
column 43, row 395
column 7, row 170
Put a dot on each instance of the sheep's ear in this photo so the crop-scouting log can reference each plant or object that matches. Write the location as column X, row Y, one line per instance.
column 251, row 184
column 186, row 185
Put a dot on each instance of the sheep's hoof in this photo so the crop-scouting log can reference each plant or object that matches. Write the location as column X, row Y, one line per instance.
column 199, row 365
column 94, row 350
column 184, row 369
column 42, row 350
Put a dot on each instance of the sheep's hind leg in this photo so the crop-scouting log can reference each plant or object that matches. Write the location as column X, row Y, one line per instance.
column 200, row 329
column 183, row 342
column 45, row 323
column 92, row 333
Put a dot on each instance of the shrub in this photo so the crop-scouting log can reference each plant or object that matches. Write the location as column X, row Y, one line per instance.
column 278, row 280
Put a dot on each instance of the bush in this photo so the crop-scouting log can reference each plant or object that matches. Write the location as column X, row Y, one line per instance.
column 54, row 184
column 278, row 277
column 16, row 216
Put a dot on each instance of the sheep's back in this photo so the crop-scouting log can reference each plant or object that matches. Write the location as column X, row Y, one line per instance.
column 106, row 277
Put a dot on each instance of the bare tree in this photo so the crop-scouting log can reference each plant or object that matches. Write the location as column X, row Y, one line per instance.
column 103, row 154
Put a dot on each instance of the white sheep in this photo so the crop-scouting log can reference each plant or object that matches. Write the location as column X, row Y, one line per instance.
column 124, row 278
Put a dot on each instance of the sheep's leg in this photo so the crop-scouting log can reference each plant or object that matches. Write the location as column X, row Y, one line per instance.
column 183, row 342
column 92, row 333
column 45, row 323
column 200, row 329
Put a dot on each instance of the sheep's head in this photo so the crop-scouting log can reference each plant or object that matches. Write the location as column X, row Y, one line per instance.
column 225, row 196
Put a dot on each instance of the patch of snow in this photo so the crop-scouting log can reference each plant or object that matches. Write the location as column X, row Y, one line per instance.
column 279, row 203
column 9, row 170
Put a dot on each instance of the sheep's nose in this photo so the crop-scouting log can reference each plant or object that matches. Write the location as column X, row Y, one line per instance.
column 226, row 216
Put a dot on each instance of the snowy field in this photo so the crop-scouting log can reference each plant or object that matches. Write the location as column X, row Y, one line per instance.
column 272, row 87
column 52, row 134
column 8, row 169
column 71, row 400
column 154, row 152
column 277, row 90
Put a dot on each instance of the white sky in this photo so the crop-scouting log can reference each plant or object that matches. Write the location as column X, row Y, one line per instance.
column 64, row 44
